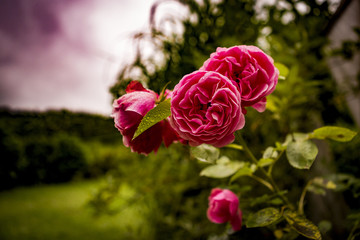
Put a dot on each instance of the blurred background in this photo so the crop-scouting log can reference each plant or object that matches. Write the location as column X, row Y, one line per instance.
column 64, row 173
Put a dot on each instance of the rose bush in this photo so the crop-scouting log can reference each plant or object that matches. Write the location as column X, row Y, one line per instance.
column 224, row 207
column 129, row 110
column 206, row 108
column 250, row 69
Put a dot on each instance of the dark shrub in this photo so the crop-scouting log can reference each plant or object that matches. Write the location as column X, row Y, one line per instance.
column 10, row 152
column 52, row 160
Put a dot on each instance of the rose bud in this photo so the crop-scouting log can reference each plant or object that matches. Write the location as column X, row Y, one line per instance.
column 224, row 207
column 129, row 110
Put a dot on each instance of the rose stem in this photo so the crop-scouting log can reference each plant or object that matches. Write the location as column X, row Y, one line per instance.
column 253, row 158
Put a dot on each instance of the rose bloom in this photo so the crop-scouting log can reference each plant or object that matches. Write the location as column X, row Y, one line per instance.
column 224, row 207
column 250, row 69
column 206, row 108
column 129, row 110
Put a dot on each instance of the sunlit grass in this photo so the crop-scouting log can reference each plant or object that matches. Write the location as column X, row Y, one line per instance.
column 61, row 212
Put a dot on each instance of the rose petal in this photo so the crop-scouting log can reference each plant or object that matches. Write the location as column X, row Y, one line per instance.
column 223, row 207
column 206, row 108
column 236, row 221
column 129, row 110
column 135, row 86
column 250, row 69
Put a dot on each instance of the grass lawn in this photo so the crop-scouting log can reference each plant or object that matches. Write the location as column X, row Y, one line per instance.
column 60, row 212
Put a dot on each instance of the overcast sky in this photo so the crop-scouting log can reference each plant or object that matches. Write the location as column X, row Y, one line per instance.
column 65, row 53
column 58, row 54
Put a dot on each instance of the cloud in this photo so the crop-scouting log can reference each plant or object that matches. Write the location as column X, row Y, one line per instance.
column 64, row 53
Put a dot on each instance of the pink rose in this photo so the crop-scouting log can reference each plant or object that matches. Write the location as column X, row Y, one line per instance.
column 206, row 108
column 224, row 207
column 251, row 70
column 128, row 111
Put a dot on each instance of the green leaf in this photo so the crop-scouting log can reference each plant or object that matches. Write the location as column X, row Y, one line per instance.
column 324, row 226
column 284, row 71
column 354, row 216
column 344, row 182
column 244, row 188
column 302, row 225
column 265, row 199
column 155, row 115
column 222, row 170
column 279, row 146
column 272, row 103
column 276, row 201
column 295, row 137
column 263, row 218
column 205, row 153
column 301, row 154
column 270, row 152
column 223, row 160
column 245, row 170
column 317, row 190
column 268, row 158
column 334, row 133
column 263, row 162
column 235, row 146
column 319, row 184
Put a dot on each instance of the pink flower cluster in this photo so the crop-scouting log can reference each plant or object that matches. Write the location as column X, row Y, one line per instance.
column 208, row 105
column 224, row 207
column 129, row 110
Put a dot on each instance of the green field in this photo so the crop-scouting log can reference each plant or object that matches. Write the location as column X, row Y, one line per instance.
column 61, row 212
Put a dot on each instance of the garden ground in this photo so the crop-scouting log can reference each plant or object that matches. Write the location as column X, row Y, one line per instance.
column 60, row 211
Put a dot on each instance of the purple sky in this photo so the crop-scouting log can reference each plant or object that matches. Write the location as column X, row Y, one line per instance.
column 65, row 53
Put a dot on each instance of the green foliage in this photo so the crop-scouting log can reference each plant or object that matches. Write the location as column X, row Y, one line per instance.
column 263, row 217
column 205, row 153
column 301, row 154
column 10, row 151
column 222, row 169
column 302, row 225
column 345, row 182
column 50, row 160
column 283, row 70
column 334, row 133
column 168, row 183
column 244, row 170
column 318, row 185
column 26, row 124
column 268, row 158
column 55, row 146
